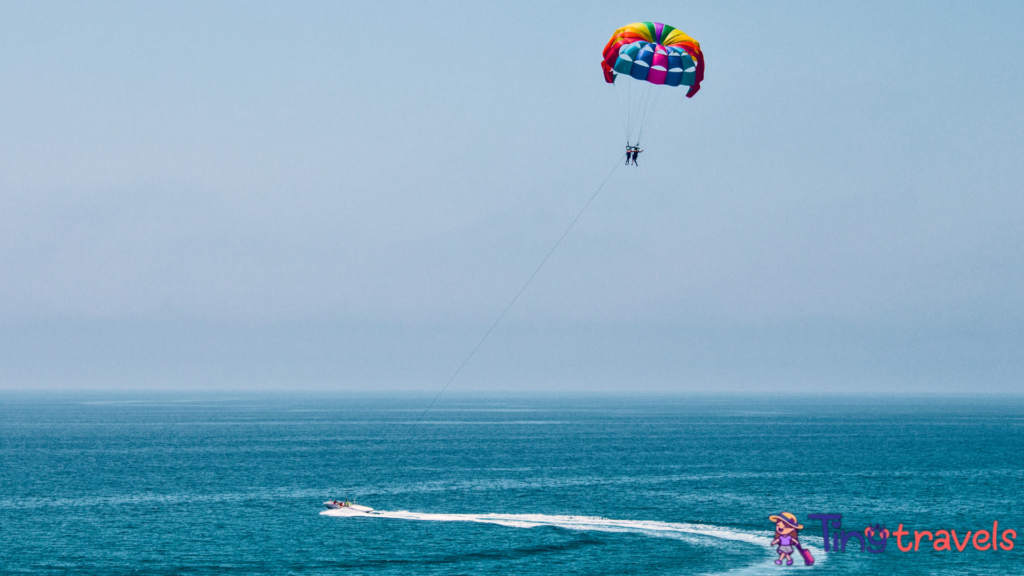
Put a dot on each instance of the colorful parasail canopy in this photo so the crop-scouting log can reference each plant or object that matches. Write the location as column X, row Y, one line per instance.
column 655, row 53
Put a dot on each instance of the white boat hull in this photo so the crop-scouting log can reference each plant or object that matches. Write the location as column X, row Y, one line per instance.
column 350, row 510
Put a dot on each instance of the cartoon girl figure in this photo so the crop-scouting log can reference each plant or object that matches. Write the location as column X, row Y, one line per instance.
column 786, row 528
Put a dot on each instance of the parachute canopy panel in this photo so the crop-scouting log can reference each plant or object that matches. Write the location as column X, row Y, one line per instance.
column 656, row 53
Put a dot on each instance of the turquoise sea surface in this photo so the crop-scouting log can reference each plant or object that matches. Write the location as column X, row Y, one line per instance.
column 161, row 484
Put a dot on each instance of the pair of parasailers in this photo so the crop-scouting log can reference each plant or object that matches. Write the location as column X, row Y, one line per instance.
column 631, row 153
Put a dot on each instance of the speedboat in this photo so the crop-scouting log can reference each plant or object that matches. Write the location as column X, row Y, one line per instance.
column 347, row 506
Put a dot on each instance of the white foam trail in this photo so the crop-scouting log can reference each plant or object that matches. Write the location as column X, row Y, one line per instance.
column 699, row 534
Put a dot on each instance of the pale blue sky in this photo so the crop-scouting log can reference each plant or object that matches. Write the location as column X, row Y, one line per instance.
column 345, row 195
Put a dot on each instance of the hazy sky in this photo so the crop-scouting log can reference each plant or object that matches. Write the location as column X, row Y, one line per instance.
column 345, row 195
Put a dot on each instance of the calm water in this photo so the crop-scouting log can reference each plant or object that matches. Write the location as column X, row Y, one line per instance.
column 502, row 485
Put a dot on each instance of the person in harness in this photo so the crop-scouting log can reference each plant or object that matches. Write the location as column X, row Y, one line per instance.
column 636, row 152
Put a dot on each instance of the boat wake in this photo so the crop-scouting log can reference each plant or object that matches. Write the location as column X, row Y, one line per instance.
column 697, row 534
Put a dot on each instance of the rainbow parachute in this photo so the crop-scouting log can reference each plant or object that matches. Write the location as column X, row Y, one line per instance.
column 655, row 53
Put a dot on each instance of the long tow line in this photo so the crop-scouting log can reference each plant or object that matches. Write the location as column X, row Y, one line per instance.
column 521, row 290
column 513, row 301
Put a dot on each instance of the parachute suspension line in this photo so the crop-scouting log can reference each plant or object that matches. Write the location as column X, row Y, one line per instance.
column 648, row 114
column 639, row 97
column 618, row 105
column 516, row 297
column 622, row 116
column 641, row 109
column 641, row 92
column 672, row 106
column 651, row 112
column 643, row 112
column 662, row 105
column 625, row 114
column 673, row 102
column 628, row 112
column 637, row 104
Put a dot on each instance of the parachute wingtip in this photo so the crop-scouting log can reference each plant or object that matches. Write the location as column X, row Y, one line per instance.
column 609, row 74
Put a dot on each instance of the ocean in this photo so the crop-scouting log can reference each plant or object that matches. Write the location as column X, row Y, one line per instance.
column 235, row 484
